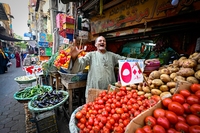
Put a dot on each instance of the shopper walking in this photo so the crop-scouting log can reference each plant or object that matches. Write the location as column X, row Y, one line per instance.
column 17, row 57
column 3, row 62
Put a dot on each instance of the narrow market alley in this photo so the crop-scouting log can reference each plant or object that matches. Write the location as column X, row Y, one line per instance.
column 13, row 118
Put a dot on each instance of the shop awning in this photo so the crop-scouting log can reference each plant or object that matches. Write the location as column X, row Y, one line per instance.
column 7, row 38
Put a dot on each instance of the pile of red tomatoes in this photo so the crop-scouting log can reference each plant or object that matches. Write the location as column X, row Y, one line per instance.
column 112, row 111
column 180, row 114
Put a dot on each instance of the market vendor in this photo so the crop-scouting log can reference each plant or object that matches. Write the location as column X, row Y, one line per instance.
column 101, row 65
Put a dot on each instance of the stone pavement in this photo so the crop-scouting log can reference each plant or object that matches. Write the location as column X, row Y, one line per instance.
column 12, row 113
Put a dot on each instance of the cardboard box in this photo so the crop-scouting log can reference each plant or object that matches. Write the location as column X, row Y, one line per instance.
column 139, row 120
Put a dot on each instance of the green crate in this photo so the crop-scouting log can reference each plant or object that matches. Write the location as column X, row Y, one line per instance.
column 46, row 122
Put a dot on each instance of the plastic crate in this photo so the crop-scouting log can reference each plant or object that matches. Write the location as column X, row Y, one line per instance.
column 46, row 122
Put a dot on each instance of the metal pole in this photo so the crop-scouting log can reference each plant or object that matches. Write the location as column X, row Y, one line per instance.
column 53, row 6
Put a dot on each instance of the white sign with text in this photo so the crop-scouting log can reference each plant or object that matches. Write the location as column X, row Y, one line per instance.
column 129, row 72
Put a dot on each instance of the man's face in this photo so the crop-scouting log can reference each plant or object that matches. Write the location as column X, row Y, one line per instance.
column 101, row 44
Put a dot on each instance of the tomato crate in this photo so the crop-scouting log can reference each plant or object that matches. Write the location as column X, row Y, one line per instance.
column 46, row 122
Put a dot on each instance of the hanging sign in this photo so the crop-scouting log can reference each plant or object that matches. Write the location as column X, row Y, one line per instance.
column 129, row 72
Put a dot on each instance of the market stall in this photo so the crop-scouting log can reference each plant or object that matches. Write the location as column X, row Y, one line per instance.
column 126, row 108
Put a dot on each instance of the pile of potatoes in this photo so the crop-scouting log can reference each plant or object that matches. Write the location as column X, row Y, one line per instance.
column 163, row 82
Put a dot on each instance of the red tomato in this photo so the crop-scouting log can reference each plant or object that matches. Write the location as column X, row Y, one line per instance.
column 150, row 120
column 78, row 115
column 193, row 120
column 181, row 118
column 158, row 112
column 186, row 107
column 197, row 93
column 185, row 93
column 194, row 129
column 147, row 129
column 178, row 98
column 171, row 130
column 158, row 129
column 182, row 127
column 195, row 109
column 176, row 107
column 119, row 111
column 83, row 120
column 163, row 121
column 140, row 130
column 195, row 87
column 171, row 116
column 193, row 99
column 166, row 101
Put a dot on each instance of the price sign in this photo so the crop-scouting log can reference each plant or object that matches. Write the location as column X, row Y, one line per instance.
column 129, row 72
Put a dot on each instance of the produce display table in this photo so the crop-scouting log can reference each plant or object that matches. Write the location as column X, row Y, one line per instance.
column 70, row 87
column 55, row 75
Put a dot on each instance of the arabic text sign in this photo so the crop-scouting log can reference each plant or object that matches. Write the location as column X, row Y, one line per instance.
column 30, row 70
column 129, row 72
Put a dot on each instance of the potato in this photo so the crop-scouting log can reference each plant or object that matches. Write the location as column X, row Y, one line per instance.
column 157, row 82
column 192, row 79
column 147, row 95
column 197, row 74
column 165, row 95
column 179, row 78
column 154, row 75
column 172, row 90
column 128, row 88
column 180, row 61
column 185, row 72
column 173, row 69
column 152, row 86
column 189, row 63
column 164, row 88
column 195, row 56
column 175, row 62
column 139, row 87
column 171, row 84
column 156, row 92
column 197, row 67
column 140, row 93
column 146, row 89
column 165, row 78
column 133, row 86
column 172, row 75
column 164, row 71
column 198, row 60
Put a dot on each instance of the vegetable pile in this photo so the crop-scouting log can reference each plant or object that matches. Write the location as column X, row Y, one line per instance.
column 112, row 111
column 48, row 99
column 180, row 113
column 32, row 91
column 63, row 58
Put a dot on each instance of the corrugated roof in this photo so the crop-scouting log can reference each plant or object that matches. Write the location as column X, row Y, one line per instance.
column 3, row 15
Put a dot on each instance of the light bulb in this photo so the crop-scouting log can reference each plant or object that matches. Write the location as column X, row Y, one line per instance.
column 174, row 2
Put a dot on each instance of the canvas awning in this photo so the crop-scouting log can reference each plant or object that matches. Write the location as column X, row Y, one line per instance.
column 8, row 38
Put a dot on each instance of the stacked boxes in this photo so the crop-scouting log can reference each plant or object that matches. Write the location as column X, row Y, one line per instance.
column 46, row 122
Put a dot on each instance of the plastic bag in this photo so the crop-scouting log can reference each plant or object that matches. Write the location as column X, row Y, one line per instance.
column 9, row 64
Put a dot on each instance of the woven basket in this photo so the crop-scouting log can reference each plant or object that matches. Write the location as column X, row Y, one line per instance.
column 33, row 109
column 72, row 78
